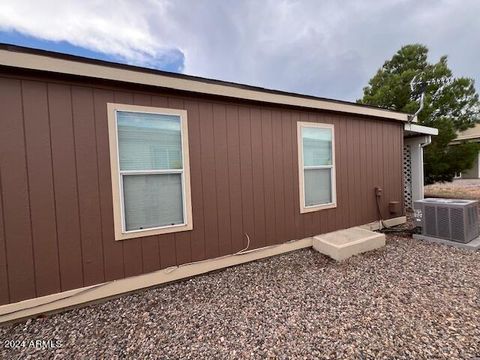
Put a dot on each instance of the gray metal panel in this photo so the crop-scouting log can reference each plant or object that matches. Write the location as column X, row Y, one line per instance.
column 430, row 220
column 443, row 222
column 451, row 219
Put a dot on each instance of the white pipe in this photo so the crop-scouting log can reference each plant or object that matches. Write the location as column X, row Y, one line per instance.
column 422, row 98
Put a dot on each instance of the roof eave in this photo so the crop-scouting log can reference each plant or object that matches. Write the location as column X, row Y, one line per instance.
column 48, row 63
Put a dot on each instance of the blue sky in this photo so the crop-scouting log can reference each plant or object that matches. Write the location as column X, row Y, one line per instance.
column 16, row 38
column 313, row 47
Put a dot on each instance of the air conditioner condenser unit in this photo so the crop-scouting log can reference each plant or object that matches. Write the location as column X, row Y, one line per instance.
column 449, row 219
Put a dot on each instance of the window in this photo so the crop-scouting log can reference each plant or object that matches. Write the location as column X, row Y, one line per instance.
column 316, row 166
column 150, row 170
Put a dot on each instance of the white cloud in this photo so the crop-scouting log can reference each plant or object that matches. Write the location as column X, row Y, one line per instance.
column 326, row 48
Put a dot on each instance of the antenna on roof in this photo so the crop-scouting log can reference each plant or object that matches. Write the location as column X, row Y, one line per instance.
column 422, row 87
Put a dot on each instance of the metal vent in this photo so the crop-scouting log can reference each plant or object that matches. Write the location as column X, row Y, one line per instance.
column 450, row 219
column 443, row 223
column 458, row 229
column 430, row 221
column 472, row 222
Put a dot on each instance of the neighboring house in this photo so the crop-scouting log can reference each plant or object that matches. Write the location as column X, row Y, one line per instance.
column 115, row 178
column 473, row 135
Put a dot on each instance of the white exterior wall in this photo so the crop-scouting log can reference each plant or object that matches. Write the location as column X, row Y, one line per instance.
column 416, row 145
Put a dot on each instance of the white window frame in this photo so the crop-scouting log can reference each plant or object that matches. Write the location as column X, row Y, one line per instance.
column 301, row 168
column 117, row 176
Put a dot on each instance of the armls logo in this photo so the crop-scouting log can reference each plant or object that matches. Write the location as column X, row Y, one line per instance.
column 32, row 344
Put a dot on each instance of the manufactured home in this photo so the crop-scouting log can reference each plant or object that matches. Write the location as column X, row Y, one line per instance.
column 115, row 178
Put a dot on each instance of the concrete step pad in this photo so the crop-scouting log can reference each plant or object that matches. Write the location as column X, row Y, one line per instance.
column 343, row 244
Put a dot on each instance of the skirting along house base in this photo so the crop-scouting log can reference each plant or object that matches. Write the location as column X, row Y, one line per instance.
column 85, row 295
column 115, row 178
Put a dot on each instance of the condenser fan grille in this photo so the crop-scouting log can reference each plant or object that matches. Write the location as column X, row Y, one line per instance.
column 449, row 219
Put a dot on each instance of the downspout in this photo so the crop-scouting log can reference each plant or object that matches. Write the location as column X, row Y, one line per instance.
column 427, row 142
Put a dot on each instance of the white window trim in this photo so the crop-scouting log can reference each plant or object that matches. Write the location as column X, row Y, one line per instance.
column 301, row 168
column 117, row 187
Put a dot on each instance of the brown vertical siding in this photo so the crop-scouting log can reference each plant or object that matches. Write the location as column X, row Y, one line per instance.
column 15, row 194
column 88, row 190
column 112, row 250
column 235, row 176
column 183, row 239
column 65, row 187
column 207, row 161
column 246, row 171
column 221, row 178
column 4, row 291
column 277, row 152
column 56, row 219
column 40, row 183
column 268, row 176
column 197, row 239
column 288, row 163
column 259, row 234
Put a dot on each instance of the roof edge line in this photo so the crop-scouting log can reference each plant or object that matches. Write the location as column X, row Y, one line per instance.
column 49, row 63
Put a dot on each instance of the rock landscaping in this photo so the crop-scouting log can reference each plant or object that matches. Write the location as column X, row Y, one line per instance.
column 409, row 300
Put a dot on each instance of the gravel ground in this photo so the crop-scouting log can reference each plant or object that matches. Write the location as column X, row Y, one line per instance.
column 462, row 188
column 408, row 300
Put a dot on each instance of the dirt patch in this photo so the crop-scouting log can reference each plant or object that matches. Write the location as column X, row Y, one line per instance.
column 460, row 189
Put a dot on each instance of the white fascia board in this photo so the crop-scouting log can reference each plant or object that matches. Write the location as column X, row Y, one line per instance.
column 420, row 129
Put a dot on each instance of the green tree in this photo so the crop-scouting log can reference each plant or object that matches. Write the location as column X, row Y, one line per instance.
column 451, row 105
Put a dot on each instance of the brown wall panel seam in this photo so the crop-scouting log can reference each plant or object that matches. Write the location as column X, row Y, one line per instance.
column 349, row 172
column 364, row 161
column 28, row 191
column 251, row 172
column 240, row 172
column 201, row 172
column 228, row 182
column 215, row 176
column 272, row 134
column 263, row 179
column 4, row 238
column 281, row 161
column 228, row 177
column 284, row 166
column 92, row 92
column 272, row 175
column 53, row 188
column 228, row 174
column 76, row 185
